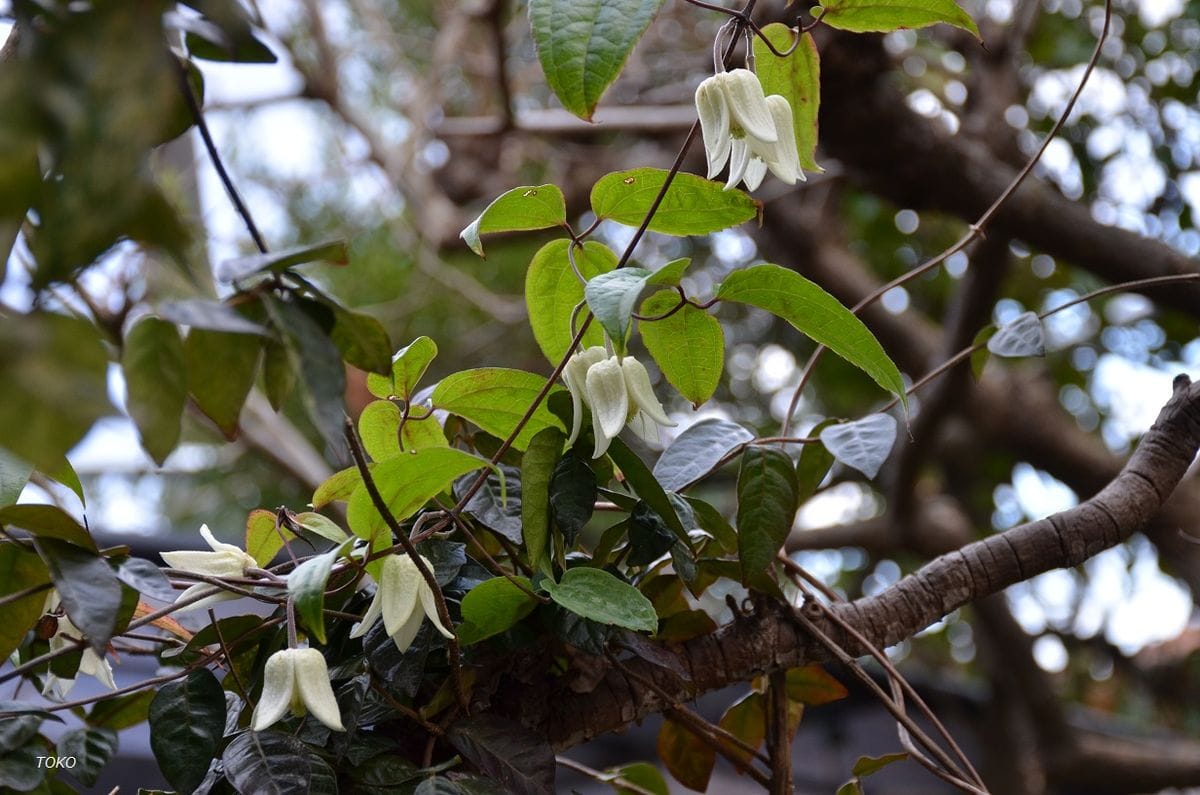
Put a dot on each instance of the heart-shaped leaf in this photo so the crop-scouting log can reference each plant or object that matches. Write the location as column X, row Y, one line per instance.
column 1024, row 336
column 863, row 444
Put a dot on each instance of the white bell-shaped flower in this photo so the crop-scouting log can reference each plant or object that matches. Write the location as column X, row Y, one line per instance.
column 90, row 663
column 646, row 414
column 296, row 680
column 575, row 374
column 225, row 560
column 404, row 599
column 746, row 129
column 618, row 393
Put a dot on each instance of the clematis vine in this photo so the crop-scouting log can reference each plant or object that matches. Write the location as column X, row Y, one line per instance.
column 404, row 599
column 296, row 680
column 750, row 131
column 618, row 392
column 225, row 560
column 66, row 634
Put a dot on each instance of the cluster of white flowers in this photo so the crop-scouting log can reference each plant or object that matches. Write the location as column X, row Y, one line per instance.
column 618, row 391
column 404, row 599
column 750, row 131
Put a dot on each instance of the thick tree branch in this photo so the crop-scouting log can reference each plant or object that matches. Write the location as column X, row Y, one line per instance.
column 770, row 638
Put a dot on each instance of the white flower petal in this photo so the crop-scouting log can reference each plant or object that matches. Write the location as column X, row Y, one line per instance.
column 786, row 162
column 610, row 401
column 575, row 376
column 407, row 632
column 429, row 605
column 747, row 104
column 756, row 169
column 641, row 393
column 713, row 111
column 279, row 675
column 206, row 602
column 400, row 581
column 374, row 611
column 739, row 158
column 312, row 684
column 94, row 665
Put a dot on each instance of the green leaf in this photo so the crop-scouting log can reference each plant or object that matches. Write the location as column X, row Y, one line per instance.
column 210, row 315
column 506, row 751
column 797, row 78
column 187, row 721
column 711, row 521
column 642, row 480
column 520, row 209
column 279, row 375
column 867, row 765
column 408, row 365
column 697, row 451
column 692, row 206
column 881, row 16
column 264, row 537
column 90, row 591
column 65, row 474
column 746, row 719
column 47, row 521
column 572, row 496
column 643, row 774
column 319, row 363
column 495, row 399
column 537, row 471
column 406, row 483
column 90, row 748
column 20, row 569
column 156, row 384
column 583, row 45
column 685, row 756
column 599, row 596
column 498, row 503
column 980, row 356
column 221, row 370
column 121, row 712
column 306, row 587
column 813, row 685
column 14, row 474
column 379, row 429
column 338, row 487
column 689, row 345
column 272, row 763
column 54, row 372
column 671, row 274
column 766, row 490
column 612, row 297
column 813, row 465
column 863, row 444
column 277, row 261
column 322, row 526
column 552, row 291
column 816, row 313
column 492, row 607
column 361, row 339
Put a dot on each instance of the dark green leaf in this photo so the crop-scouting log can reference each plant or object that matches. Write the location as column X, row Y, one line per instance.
column 520, row 209
column 495, row 399
column 599, row 596
column 20, row 768
column 90, row 592
column 446, row 558
column 316, row 358
column 866, row 765
column 306, row 586
column 271, row 763
column 146, row 578
column 404, row 671
column 187, row 722
column 221, row 371
column 54, row 373
column 90, row 748
column 646, row 485
column 277, row 261
column 766, row 490
column 20, row 569
column 583, row 45
column 279, row 374
column 642, row 774
column 612, row 297
column 689, row 345
column 553, row 291
column 156, row 384
column 496, row 508
column 210, row 315
column 538, row 467
column 493, row 607
column 649, row 536
column 362, row 340
column 813, row 464
column 47, row 521
column 14, row 474
column 121, row 712
column 816, row 313
column 710, row 520
column 506, row 751
column 692, row 206
column 697, row 451
column 572, row 496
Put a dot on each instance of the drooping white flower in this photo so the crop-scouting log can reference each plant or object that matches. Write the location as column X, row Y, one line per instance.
column 746, row 129
column 225, row 560
column 297, row 680
column 618, row 392
column 404, row 599
column 90, row 663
